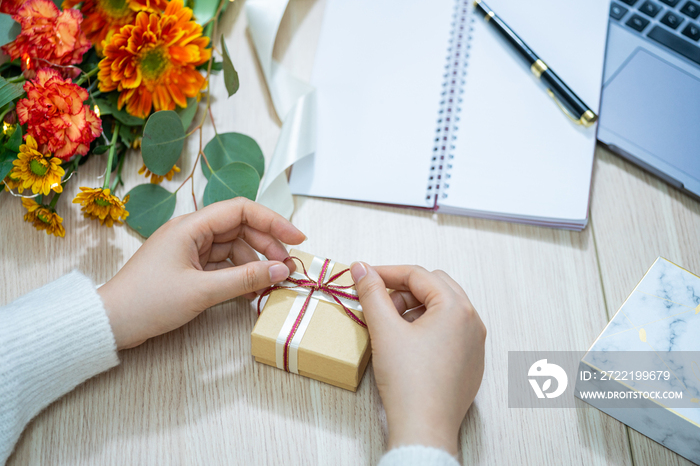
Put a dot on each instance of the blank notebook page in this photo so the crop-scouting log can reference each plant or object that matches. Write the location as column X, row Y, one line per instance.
column 516, row 154
column 379, row 72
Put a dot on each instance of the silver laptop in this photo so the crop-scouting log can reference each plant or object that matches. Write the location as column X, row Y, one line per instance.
column 650, row 109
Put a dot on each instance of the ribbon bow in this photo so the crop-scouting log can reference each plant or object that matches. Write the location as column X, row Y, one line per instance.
column 326, row 287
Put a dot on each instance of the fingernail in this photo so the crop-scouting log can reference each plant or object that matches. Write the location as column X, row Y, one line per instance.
column 358, row 271
column 278, row 272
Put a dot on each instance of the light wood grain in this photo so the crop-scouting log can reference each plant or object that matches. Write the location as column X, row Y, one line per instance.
column 195, row 396
column 636, row 218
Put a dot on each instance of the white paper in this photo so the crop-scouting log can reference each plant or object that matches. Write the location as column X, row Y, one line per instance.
column 378, row 73
column 516, row 154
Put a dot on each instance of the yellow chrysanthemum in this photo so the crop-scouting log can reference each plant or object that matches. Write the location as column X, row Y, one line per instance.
column 37, row 171
column 152, row 61
column 100, row 204
column 43, row 218
column 11, row 182
column 156, row 179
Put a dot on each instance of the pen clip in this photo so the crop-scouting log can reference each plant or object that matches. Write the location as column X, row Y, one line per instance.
column 587, row 119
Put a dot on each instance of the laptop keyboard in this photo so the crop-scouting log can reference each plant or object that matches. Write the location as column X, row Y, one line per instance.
column 671, row 23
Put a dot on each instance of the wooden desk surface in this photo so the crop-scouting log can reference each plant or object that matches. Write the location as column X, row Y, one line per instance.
column 195, row 396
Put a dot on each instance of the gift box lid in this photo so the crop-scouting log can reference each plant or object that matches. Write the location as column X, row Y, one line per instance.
column 334, row 348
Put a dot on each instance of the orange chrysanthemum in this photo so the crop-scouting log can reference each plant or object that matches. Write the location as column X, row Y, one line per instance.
column 103, row 18
column 152, row 62
column 48, row 35
column 56, row 116
column 100, row 204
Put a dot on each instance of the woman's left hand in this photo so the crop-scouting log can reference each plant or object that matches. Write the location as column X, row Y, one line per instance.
column 183, row 268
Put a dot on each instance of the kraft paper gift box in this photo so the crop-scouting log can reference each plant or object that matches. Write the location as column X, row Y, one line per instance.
column 656, row 330
column 324, row 342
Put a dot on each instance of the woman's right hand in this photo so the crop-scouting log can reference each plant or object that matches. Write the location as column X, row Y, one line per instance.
column 428, row 371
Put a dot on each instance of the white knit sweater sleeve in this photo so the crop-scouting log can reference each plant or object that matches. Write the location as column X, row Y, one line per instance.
column 51, row 340
column 418, row 455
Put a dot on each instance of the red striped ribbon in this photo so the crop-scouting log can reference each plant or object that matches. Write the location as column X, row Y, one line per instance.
column 334, row 291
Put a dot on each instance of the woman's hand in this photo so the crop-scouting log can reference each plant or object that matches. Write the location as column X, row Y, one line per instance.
column 182, row 269
column 429, row 370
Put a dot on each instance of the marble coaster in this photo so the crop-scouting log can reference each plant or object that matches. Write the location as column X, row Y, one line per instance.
column 656, row 330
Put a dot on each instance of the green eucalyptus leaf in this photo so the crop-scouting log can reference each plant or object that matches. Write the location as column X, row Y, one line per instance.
column 163, row 138
column 9, row 29
column 100, row 149
column 217, row 66
column 126, row 135
column 230, row 74
column 8, row 91
column 208, row 30
column 187, row 114
column 233, row 147
column 126, row 118
column 234, row 180
column 6, row 164
column 149, row 207
column 15, row 140
column 105, row 106
column 205, row 198
column 109, row 107
column 204, row 10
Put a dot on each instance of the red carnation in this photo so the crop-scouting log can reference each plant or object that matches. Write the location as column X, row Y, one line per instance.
column 47, row 33
column 56, row 116
column 10, row 7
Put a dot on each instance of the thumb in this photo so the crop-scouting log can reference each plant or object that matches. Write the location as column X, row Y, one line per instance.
column 232, row 282
column 377, row 305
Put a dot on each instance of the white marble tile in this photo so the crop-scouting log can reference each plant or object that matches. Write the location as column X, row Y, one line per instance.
column 661, row 319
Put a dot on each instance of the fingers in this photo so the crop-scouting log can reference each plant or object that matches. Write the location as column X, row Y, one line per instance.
column 413, row 314
column 403, row 301
column 424, row 285
column 240, row 252
column 265, row 243
column 237, row 250
column 223, row 218
column 452, row 283
column 231, row 282
column 378, row 307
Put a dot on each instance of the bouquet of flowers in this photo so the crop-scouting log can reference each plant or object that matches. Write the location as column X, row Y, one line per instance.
column 103, row 78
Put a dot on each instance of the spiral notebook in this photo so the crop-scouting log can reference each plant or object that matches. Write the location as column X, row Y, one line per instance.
column 424, row 105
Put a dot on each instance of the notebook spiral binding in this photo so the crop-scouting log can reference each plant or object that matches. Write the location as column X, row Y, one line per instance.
column 450, row 103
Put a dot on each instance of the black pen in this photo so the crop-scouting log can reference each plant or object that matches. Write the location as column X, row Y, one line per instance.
column 566, row 99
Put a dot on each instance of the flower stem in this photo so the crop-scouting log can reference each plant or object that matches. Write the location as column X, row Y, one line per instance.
column 54, row 201
column 69, row 171
column 112, row 150
column 207, row 110
column 211, row 117
column 16, row 79
column 118, row 178
column 87, row 75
